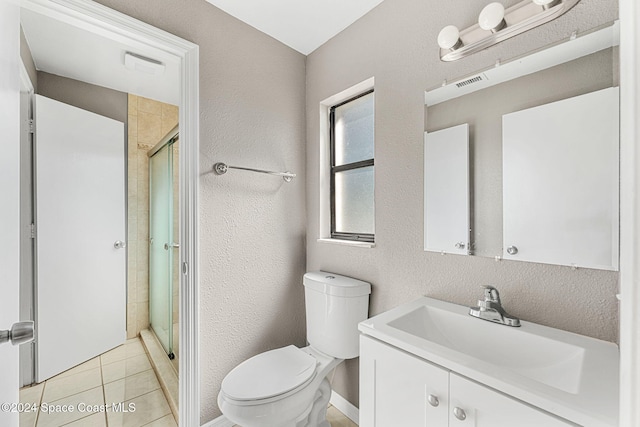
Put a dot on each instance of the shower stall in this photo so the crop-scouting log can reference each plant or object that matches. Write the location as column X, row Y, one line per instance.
column 164, row 257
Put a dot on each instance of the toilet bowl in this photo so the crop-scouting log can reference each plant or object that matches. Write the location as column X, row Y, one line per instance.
column 288, row 386
column 279, row 388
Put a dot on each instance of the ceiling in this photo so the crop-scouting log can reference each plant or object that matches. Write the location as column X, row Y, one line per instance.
column 303, row 25
column 68, row 50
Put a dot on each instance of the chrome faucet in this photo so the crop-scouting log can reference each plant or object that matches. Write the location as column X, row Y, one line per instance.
column 491, row 309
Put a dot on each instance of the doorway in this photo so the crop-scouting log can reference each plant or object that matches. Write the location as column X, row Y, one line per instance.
column 112, row 25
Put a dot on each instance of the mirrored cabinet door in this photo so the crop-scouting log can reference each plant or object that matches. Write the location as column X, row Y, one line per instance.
column 446, row 190
column 560, row 182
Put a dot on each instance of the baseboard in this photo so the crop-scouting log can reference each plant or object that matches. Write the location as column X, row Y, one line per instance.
column 344, row 406
column 221, row 421
column 341, row 404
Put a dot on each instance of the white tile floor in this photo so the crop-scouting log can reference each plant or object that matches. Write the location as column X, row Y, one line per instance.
column 122, row 375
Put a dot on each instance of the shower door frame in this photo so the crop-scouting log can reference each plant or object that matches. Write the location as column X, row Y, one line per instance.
column 109, row 23
column 167, row 143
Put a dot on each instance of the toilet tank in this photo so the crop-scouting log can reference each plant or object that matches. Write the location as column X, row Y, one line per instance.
column 335, row 305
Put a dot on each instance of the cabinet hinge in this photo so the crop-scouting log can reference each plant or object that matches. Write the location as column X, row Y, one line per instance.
column 32, row 228
column 32, row 126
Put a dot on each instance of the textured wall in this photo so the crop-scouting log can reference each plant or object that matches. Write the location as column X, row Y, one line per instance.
column 395, row 43
column 252, row 227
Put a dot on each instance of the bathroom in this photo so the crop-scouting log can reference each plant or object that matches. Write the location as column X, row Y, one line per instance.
column 257, row 235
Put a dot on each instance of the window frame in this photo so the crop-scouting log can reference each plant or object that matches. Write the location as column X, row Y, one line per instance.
column 333, row 169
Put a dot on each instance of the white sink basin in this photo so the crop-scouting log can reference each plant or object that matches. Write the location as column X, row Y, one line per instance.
column 567, row 374
column 540, row 358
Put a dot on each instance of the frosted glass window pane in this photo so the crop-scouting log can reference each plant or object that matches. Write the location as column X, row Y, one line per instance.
column 354, row 131
column 354, row 201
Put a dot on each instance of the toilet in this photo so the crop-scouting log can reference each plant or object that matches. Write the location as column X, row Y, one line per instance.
column 288, row 386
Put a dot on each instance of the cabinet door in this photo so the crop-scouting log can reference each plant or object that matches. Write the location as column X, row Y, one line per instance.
column 484, row 407
column 560, row 182
column 446, row 190
column 395, row 388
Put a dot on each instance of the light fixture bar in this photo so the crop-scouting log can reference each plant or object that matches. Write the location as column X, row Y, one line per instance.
column 519, row 18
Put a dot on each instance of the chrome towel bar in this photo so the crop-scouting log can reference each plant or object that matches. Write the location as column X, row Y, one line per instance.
column 222, row 168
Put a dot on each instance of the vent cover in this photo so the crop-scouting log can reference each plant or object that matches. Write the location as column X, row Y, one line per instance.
column 471, row 80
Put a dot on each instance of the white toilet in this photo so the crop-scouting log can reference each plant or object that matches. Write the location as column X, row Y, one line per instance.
column 287, row 387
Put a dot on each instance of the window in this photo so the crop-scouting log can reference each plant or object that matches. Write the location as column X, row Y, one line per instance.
column 351, row 141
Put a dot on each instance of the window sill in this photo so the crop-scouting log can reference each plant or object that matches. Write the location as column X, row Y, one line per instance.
column 347, row 243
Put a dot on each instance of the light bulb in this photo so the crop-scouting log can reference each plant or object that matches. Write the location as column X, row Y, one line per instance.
column 546, row 4
column 492, row 17
column 449, row 38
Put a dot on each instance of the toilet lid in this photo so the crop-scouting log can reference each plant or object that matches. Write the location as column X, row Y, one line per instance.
column 269, row 374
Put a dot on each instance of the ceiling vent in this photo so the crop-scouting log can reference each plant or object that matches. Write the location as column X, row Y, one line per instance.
column 471, row 80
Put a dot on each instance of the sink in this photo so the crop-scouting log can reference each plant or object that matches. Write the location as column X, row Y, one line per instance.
column 570, row 375
column 537, row 357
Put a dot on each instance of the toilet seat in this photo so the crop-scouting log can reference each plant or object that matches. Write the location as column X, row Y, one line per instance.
column 269, row 374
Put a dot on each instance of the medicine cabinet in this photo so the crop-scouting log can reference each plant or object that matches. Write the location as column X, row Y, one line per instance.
column 446, row 190
column 560, row 182
column 565, row 201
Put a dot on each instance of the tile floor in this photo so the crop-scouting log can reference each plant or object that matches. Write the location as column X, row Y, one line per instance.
column 123, row 374
column 336, row 418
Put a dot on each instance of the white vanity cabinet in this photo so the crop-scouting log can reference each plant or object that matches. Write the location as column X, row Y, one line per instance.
column 398, row 389
column 395, row 388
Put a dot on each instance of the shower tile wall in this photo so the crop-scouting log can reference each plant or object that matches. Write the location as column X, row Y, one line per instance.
column 149, row 122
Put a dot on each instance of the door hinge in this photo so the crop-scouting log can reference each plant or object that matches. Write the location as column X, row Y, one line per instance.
column 32, row 126
column 32, row 228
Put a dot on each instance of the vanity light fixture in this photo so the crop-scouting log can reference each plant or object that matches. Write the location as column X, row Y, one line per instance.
column 492, row 17
column 449, row 38
column 546, row 4
column 496, row 24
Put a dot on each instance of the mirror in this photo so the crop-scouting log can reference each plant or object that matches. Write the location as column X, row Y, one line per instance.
column 446, row 190
column 585, row 64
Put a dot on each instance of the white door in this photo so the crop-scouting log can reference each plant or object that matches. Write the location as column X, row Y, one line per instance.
column 10, row 196
column 80, row 215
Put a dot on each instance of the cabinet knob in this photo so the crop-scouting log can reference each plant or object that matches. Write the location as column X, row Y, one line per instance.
column 512, row 250
column 433, row 400
column 459, row 413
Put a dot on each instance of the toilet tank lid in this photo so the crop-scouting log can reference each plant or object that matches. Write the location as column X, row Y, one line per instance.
column 335, row 284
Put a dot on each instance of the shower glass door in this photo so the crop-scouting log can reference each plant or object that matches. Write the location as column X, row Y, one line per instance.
column 161, row 246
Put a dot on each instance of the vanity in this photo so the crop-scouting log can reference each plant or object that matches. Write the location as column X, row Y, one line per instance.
column 428, row 363
column 521, row 163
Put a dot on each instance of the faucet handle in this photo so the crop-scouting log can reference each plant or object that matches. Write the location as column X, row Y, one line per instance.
column 491, row 294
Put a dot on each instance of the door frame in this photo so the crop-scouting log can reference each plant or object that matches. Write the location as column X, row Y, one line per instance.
column 27, row 255
column 109, row 23
column 629, row 213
